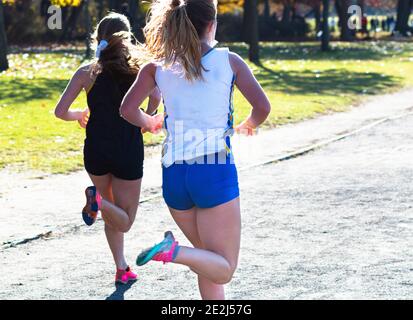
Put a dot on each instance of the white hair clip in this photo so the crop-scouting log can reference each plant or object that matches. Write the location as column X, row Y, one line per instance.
column 102, row 46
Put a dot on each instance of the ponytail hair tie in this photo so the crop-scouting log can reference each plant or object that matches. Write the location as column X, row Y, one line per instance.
column 102, row 46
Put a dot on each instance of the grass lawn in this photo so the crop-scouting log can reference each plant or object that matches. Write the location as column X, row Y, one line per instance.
column 301, row 82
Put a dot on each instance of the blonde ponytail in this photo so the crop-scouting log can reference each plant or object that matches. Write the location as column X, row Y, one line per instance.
column 172, row 36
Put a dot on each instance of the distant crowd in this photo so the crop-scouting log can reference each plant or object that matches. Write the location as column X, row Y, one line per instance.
column 376, row 24
column 370, row 25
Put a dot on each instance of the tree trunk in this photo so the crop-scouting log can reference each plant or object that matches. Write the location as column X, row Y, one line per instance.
column 100, row 8
column 114, row 5
column 71, row 22
column 404, row 8
column 362, row 5
column 134, row 15
column 286, row 17
column 88, row 25
column 4, row 64
column 342, row 12
column 325, row 39
column 251, row 29
column 317, row 17
column 44, row 6
column 267, row 11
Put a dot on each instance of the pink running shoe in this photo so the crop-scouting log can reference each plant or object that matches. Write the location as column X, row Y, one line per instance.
column 164, row 251
column 125, row 276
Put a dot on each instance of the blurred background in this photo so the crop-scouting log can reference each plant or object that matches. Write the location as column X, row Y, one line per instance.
column 311, row 56
column 293, row 20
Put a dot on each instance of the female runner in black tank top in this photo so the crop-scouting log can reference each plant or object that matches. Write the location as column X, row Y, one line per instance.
column 113, row 151
column 112, row 145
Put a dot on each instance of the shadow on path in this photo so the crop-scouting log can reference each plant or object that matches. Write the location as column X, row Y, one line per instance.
column 119, row 293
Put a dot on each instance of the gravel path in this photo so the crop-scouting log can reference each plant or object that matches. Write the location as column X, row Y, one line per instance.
column 334, row 224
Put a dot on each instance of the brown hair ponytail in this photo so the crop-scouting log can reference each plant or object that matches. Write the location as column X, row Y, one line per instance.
column 174, row 29
column 120, row 56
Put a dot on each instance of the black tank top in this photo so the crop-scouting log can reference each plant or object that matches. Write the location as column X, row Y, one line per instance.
column 105, row 125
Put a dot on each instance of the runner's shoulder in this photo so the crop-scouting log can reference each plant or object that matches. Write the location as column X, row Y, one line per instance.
column 237, row 62
column 85, row 74
column 150, row 67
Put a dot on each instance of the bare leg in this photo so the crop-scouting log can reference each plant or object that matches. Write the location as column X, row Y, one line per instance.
column 126, row 195
column 219, row 230
column 121, row 214
column 114, row 237
column 186, row 221
column 116, row 245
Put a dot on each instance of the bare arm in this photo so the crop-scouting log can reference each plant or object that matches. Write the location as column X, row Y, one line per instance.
column 154, row 101
column 141, row 89
column 72, row 91
column 252, row 91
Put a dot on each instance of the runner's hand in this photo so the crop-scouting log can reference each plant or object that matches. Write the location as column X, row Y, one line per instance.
column 156, row 124
column 84, row 118
column 246, row 128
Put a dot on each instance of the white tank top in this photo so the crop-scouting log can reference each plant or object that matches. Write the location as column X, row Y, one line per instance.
column 198, row 114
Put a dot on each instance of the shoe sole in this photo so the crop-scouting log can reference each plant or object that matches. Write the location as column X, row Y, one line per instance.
column 94, row 206
column 122, row 282
column 147, row 255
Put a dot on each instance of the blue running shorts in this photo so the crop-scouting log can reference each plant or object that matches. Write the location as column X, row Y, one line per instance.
column 203, row 182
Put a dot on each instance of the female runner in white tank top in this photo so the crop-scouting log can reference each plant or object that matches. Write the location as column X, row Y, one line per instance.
column 200, row 184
